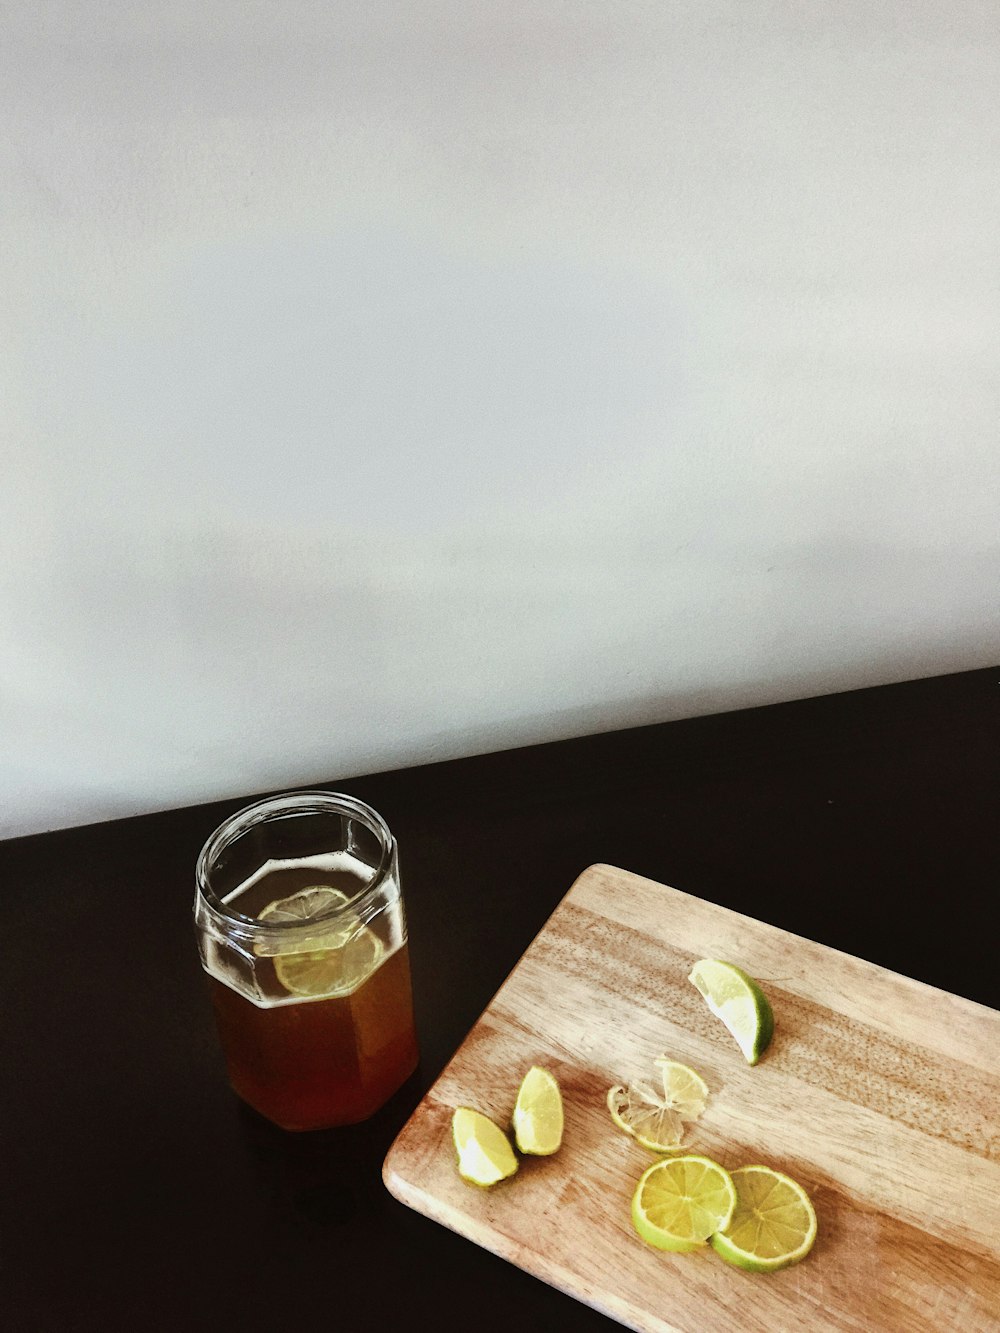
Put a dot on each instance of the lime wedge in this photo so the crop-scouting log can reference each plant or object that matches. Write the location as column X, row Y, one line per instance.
column 654, row 1117
column 680, row 1201
column 335, row 960
column 484, row 1152
column 773, row 1225
column 538, row 1114
column 736, row 998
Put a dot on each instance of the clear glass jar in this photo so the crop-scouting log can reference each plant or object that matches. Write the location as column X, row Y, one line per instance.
column 301, row 929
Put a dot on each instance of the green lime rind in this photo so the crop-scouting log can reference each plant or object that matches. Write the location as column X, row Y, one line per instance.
column 737, row 999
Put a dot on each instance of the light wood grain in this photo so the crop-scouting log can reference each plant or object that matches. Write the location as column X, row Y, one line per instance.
column 879, row 1094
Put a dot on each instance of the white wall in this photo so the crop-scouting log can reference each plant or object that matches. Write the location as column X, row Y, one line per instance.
column 391, row 381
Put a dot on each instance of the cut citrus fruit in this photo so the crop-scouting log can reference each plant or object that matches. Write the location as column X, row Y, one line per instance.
column 484, row 1152
column 334, row 960
column 304, row 905
column 773, row 1225
column 680, row 1201
column 338, row 969
column 656, row 1118
column 737, row 999
column 685, row 1090
column 296, row 910
column 538, row 1114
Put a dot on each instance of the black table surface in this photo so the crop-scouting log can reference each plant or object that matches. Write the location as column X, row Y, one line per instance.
column 137, row 1192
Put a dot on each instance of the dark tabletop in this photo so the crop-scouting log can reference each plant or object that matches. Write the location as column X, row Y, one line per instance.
column 138, row 1193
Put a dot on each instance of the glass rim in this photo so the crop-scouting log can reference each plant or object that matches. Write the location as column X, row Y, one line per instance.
column 291, row 804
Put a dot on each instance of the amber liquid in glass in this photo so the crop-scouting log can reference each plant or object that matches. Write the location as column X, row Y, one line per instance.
column 316, row 1063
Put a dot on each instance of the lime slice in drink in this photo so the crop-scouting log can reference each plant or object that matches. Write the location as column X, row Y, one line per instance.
column 773, row 1225
column 333, row 961
column 681, row 1201
column 538, row 1114
column 484, row 1152
column 655, row 1117
column 739, row 1002
column 338, row 969
column 304, row 905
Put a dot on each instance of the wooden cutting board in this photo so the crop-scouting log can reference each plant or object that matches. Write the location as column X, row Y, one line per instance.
column 879, row 1094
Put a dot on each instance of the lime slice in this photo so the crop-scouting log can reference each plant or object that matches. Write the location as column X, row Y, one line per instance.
column 774, row 1223
column 680, row 1201
column 484, row 1152
column 656, row 1118
column 333, row 961
column 739, row 1002
column 639, row 1110
column 338, row 969
column 296, row 909
column 538, row 1114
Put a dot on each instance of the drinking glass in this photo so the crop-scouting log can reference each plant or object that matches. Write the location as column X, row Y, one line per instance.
column 302, row 932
